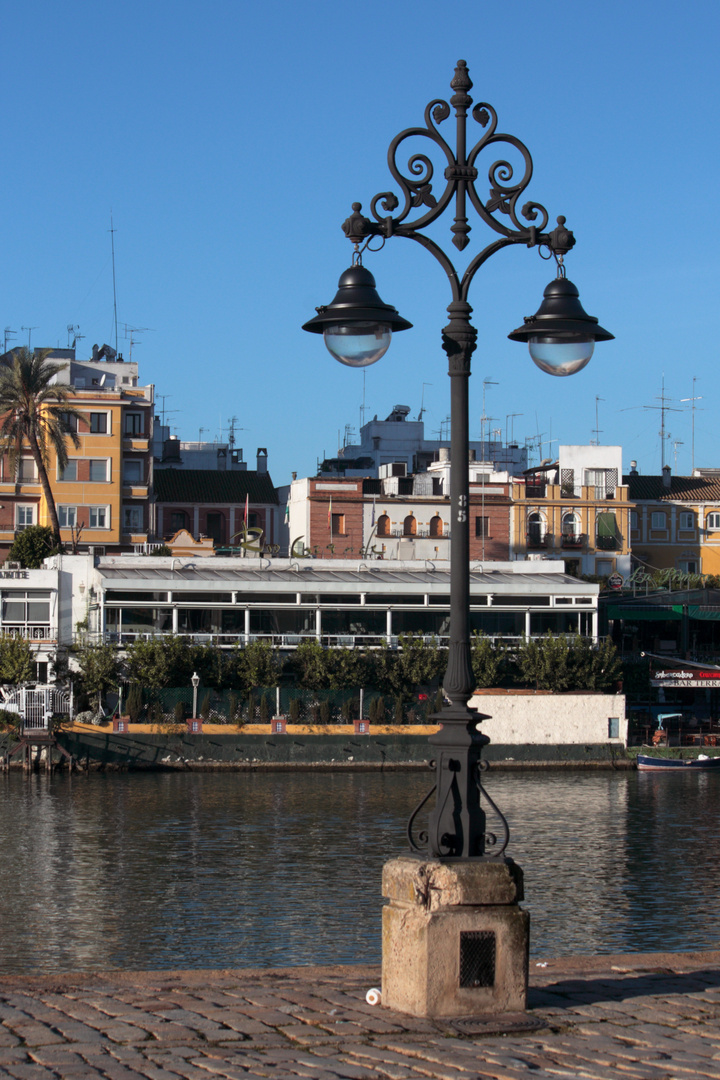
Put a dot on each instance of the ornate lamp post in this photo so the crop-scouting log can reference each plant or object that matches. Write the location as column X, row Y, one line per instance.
column 357, row 328
column 195, row 680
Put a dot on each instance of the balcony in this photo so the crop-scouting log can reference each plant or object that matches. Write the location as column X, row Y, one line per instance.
column 608, row 543
column 572, row 540
column 535, row 489
column 536, row 541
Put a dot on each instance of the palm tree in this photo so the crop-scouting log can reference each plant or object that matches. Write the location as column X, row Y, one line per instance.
column 36, row 412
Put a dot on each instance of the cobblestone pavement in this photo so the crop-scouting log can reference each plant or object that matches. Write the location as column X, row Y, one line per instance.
column 640, row 1016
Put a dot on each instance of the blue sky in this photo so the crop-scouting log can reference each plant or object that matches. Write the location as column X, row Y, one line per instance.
column 229, row 140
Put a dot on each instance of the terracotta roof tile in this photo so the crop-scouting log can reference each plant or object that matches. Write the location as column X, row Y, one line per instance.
column 688, row 488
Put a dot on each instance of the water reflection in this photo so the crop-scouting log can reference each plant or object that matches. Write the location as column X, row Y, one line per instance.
column 215, row 870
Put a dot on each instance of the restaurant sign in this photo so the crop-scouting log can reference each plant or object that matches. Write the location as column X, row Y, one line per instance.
column 688, row 678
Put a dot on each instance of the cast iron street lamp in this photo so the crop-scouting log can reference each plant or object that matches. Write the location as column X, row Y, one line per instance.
column 195, row 680
column 357, row 327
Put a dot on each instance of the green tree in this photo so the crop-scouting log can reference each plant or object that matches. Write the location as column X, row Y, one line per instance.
column 414, row 664
column 17, row 660
column 545, row 662
column 32, row 545
column 160, row 662
column 594, row 667
column 311, row 666
column 489, row 662
column 99, row 670
column 35, row 412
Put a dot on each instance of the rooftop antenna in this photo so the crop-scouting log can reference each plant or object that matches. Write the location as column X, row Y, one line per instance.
column 693, row 399
column 29, row 333
column 8, row 334
column 511, row 416
column 130, row 332
column 112, row 247
column 422, row 400
column 664, row 408
column 200, row 433
column 163, row 398
column 485, row 418
column 596, row 429
column 678, row 442
column 362, row 407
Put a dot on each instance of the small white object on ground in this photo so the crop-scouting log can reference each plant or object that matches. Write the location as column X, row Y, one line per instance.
column 373, row 996
column 539, row 964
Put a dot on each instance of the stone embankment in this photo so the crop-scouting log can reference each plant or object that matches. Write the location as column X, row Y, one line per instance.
column 639, row 1017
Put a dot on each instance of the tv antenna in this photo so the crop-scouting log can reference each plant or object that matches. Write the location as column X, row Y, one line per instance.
column 596, row 429
column 511, row 416
column 693, row 399
column 9, row 333
column 74, row 333
column 678, row 442
column 29, row 334
column 422, row 400
column 112, row 248
column 232, row 428
column 131, row 331
column 484, row 419
column 663, row 408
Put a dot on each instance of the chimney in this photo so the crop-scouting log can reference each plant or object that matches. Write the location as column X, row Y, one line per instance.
column 666, row 478
column 444, row 453
column 262, row 459
column 633, row 468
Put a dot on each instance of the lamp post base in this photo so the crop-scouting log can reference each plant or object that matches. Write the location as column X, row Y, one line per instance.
column 455, row 941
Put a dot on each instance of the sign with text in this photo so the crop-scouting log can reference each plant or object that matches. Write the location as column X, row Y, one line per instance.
column 686, row 677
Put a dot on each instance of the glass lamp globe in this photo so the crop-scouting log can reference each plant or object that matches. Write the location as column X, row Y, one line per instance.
column 358, row 344
column 557, row 357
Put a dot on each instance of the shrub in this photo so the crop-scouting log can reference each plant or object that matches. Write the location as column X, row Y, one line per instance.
column 346, row 710
column 205, row 706
column 232, row 709
column 264, row 710
column 294, row 710
column 324, row 712
column 398, row 712
column 179, row 712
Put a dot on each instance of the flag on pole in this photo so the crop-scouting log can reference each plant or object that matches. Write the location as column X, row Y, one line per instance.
column 330, row 515
column 247, row 508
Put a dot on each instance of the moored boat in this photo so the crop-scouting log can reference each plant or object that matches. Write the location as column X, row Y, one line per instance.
column 659, row 764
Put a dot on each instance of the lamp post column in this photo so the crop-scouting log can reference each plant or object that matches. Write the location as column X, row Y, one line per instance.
column 456, row 827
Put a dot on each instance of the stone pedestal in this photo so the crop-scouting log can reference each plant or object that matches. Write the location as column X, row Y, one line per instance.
column 455, row 941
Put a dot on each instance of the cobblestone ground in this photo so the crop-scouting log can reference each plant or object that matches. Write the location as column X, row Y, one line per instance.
column 654, row 1016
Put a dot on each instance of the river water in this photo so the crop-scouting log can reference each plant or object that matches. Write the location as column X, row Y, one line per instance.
column 161, row 870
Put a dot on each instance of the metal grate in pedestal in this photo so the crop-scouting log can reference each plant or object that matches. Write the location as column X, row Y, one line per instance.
column 477, row 958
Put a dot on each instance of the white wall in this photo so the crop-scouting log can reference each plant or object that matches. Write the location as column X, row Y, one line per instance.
column 544, row 719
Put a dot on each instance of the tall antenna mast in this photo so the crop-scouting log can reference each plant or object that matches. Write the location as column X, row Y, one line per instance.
column 485, row 418
column 664, row 408
column 693, row 399
column 9, row 333
column 596, row 429
column 29, row 333
column 112, row 247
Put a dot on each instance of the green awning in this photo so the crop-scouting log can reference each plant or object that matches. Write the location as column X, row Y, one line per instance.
column 648, row 613
column 703, row 612
column 606, row 525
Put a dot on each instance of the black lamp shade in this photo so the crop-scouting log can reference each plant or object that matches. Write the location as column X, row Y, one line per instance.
column 356, row 301
column 561, row 317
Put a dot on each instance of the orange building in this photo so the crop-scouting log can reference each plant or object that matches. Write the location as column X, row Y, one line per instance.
column 102, row 496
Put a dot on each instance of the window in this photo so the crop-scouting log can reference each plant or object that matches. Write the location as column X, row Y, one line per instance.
column 603, row 480
column 687, row 519
column 69, row 422
column 410, row 525
column 383, row 525
column 99, row 423
column 133, row 471
column 69, row 472
column 436, row 526
column 633, row 520
column 337, row 526
column 535, row 529
column 24, row 516
column 689, row 566
column 132, row 518
column 98, row 472
column 178, row 520
column 67, row 516
column 99, row 517
column 27, row 470
column 713, row 520
column 608, row 538
column 482, row 526
column 133, row 423
column 658, row 520
column 571, row 524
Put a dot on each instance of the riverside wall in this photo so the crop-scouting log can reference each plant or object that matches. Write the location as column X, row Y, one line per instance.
column 255, row 746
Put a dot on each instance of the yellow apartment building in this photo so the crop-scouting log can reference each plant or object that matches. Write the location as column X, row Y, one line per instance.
column 575, row 509
column 675, row 520
column 102, row 496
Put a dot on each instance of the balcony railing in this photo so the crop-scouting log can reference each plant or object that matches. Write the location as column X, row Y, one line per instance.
column 291, row 641
column 572, row 540
column 31, row 631
column 537, row 540
column 608, row 543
